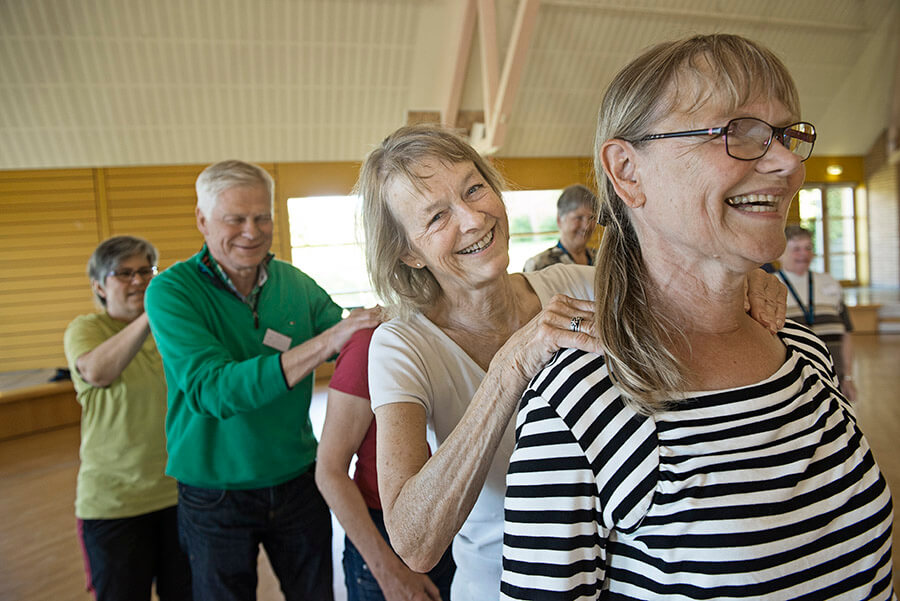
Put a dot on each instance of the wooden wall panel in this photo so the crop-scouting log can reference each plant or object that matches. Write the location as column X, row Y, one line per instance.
column 48, row 228
column 50, row 223
column 156, row 203
column 546, row 173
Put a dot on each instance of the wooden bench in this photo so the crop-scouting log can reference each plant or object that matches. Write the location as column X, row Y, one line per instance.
column 36, row 408
column 864, row 318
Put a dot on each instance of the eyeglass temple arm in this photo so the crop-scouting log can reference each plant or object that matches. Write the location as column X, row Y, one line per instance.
column 711, row 131
column 802, row 136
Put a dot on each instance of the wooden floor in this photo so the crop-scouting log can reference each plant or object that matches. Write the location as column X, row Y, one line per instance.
column 39, row 555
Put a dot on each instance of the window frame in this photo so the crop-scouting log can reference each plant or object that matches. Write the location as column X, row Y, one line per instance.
column 825, row 253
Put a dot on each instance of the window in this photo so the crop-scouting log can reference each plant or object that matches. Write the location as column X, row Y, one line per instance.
column 325, row 246
column 325, row 243
column 532, row 224
column 829, row 212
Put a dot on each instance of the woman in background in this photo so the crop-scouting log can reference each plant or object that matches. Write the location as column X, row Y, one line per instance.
column 576, row 217
column 699, row 457
column 372, row 571
column 125, row 504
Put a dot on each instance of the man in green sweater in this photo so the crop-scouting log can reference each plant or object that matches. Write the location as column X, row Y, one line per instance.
column 240, row 334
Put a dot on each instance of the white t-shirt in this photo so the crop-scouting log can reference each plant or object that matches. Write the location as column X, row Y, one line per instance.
column 414, row 361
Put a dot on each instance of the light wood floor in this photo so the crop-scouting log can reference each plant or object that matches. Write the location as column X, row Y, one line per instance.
column 39, row 555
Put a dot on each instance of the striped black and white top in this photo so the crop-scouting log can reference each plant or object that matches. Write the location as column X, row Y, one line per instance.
column 768, row 491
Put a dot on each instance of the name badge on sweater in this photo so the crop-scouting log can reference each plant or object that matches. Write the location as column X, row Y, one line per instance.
column 276, row 340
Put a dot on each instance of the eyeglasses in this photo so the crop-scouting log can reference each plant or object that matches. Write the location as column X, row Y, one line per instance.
column 126, row 275
column 748, row 138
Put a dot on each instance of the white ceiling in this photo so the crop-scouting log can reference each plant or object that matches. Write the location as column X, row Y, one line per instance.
column 137, row 82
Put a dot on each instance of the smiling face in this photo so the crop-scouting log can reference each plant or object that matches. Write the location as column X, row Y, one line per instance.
column 238, row 230
column 576, row 228
column 697, row 203
column 798, row 254
column 124, row 299
column 456, row 225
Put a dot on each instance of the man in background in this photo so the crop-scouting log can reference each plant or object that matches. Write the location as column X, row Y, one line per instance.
column 817, row 300
column 240, row 334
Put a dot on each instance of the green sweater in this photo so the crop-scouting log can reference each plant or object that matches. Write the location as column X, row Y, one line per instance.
column 232, row 422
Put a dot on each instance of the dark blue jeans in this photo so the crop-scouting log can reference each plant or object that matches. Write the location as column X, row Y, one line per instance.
column 361, row 584
column 126, row 555
column 221, row 530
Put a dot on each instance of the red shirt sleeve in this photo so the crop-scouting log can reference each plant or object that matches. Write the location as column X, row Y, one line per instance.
column 351, row 371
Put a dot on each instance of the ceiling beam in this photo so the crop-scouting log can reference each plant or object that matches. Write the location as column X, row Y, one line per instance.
column 516, row 53
column 463, row 50
column 490, row 60
column 498, row 89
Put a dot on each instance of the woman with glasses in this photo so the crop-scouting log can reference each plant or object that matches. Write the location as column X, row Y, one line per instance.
column 125, row 504
column 697, row 457
column 466, row 339
column 576, row 217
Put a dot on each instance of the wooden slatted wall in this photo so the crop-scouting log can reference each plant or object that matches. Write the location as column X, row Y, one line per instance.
column 51, row 222
column 49, row 227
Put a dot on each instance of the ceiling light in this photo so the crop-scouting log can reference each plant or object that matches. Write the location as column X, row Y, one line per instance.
column 834, row 170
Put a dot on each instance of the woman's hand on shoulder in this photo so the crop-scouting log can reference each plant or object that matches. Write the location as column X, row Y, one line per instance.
column 357, row 319
column 766, row 299
column 565, row 322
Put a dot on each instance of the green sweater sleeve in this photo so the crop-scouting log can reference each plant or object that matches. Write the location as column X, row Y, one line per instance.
column 201, row 346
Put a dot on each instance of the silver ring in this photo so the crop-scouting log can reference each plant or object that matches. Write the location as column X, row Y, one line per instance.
column 575, row 324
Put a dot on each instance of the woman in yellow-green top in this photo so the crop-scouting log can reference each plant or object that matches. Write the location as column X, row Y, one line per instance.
column 125, row 504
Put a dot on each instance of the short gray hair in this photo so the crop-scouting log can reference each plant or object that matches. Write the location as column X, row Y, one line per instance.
column 573, row 198
column 111, row 252
column 406, row 290
column 797, row 231
column 223, row 175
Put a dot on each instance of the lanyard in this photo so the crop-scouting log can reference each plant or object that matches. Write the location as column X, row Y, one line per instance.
column 586, row 253
column 809, row 313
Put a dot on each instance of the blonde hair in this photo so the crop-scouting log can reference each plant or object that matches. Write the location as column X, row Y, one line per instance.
column 683, row 75
column 399, row 157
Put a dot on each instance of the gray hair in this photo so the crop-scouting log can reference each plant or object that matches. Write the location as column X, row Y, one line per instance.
column 797, row 231
column 684, row 75
column 403, row 289
column 573, row 198
column 223, row 175
column 111, row 252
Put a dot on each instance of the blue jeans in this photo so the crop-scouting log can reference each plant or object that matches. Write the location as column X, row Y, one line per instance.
column 221, row 530
column 361, row 584
column 126, row 555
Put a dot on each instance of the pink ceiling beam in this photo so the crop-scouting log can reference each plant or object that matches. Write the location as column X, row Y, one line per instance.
column 526, row 17
column 490, row 60
column 463, row 49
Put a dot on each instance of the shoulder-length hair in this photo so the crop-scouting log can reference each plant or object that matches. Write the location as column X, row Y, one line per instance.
column 683, row 75
column 399, row 157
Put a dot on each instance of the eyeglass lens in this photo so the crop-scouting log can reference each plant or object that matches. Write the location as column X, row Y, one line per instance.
column 749, row 138
column 126, row 275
